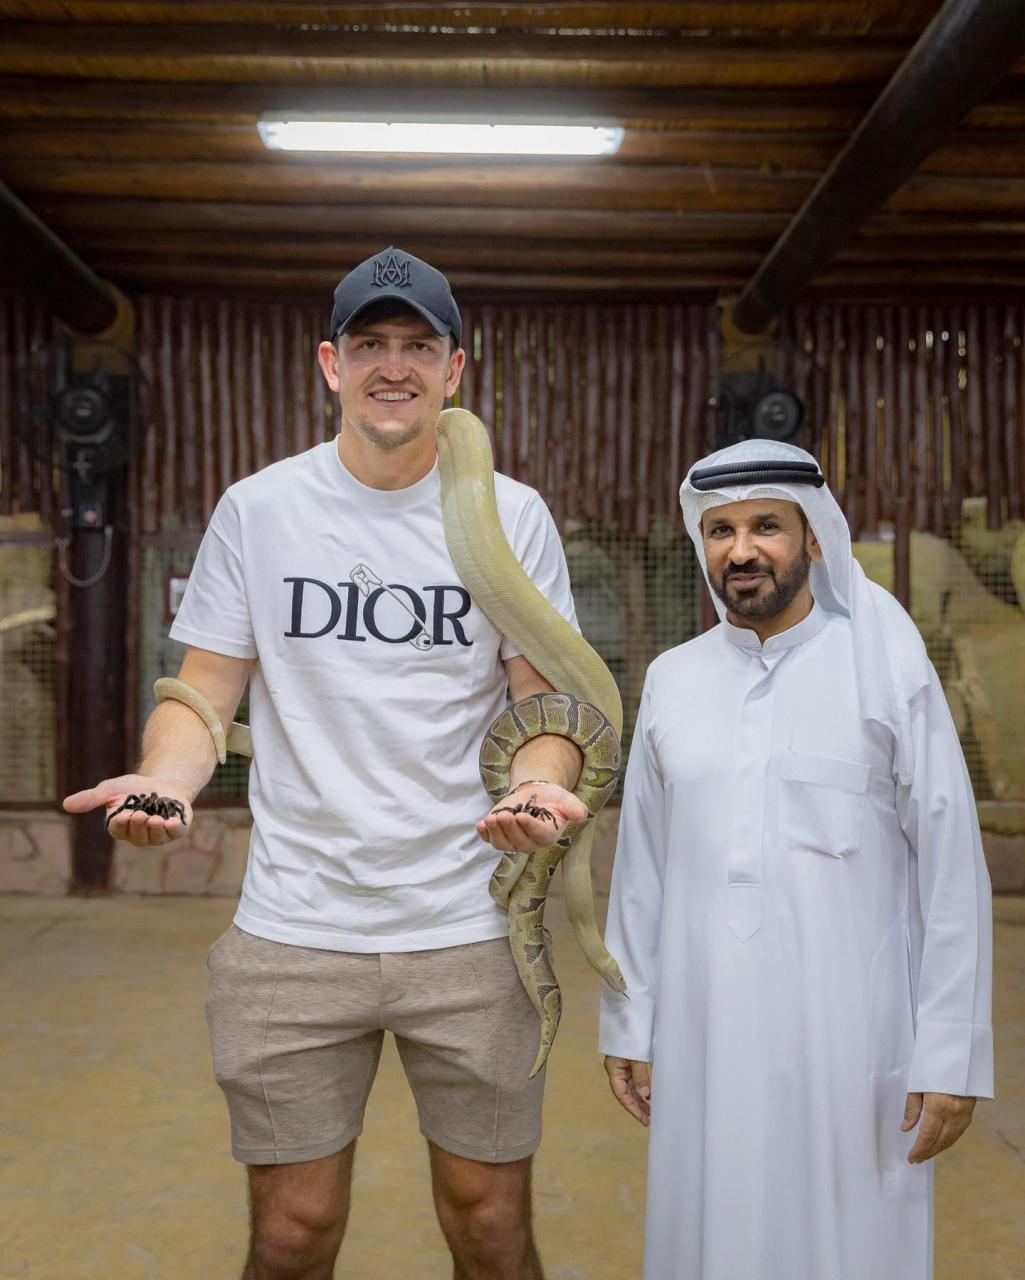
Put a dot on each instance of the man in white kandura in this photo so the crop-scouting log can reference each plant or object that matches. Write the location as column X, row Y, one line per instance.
column 800, row 907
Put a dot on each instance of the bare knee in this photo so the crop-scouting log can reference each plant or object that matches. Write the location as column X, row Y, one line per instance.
column 298, row 1220
column 293, row 1241
column 488, row 1230
column 484, row 1212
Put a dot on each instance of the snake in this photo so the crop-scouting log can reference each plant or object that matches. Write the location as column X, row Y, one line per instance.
column 585, row 707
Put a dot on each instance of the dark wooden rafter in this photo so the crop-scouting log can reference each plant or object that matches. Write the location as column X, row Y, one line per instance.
column 966, row 49
column 42, row 266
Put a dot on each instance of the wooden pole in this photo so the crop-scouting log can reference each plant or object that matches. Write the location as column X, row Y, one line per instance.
column 94, row 563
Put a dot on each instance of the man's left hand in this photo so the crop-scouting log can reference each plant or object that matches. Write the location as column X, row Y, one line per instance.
column 944, row 1117
column 522, row 833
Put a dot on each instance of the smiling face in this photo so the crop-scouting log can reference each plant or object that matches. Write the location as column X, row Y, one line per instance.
column 392, row 376
column 758, row 553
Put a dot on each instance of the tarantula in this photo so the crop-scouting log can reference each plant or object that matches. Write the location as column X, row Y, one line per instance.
column 156, row 806
column 535, row 810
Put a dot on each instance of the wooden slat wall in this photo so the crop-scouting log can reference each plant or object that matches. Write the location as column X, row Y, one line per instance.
column 601, row 408
column 236, row 387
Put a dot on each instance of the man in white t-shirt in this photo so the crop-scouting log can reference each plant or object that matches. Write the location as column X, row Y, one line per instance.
column 324, row 583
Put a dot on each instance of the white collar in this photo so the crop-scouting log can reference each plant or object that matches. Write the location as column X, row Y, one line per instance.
column 806, row 629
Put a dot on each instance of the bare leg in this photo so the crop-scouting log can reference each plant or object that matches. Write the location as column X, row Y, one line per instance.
column 298, row 1216
column 484, row 1211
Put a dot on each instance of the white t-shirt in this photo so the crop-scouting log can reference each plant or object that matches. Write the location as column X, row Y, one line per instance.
column 369, row 701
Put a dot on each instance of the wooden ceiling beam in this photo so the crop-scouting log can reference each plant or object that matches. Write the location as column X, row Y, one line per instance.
column 231, row 52
column 964, row 51
column 889, row 17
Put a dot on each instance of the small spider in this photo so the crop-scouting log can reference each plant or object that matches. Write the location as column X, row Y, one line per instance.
column 535, row 810
column 156, row 806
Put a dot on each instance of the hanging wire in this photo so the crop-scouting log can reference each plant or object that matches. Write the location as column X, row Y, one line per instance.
column 62, row 562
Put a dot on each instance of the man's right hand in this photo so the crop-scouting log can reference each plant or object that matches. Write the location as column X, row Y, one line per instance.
column 630, row 1083
column 133, row 825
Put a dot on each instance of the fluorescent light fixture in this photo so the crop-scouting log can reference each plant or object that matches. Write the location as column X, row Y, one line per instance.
column 441, row 139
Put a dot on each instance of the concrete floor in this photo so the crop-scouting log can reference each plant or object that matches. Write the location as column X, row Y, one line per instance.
column 113, row 1138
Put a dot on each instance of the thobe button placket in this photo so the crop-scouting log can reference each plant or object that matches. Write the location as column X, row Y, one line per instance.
column 744, row 889
column 744, row 870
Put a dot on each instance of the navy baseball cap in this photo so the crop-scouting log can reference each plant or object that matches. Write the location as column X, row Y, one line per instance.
column 396, row 274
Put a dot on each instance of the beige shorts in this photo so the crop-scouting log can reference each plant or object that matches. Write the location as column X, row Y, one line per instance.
column 297, row 1033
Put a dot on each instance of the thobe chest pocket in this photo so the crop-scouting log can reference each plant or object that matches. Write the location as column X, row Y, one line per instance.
column 822, row 803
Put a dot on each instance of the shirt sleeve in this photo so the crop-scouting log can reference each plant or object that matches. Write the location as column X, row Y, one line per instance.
column 952, row 939
column 633, row 930
column 538, row 548
column 214, row 612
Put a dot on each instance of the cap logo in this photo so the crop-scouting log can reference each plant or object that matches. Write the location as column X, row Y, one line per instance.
column 391, row 272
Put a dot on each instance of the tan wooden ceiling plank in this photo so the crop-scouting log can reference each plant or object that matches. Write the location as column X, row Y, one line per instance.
column 606, row 185
column 66, row 214
column 198, row 53
column 994, row 250
column 445, row 252
column 609, row 186
column 936, row 193
column 858, row 17
column 98, row 212
column 945, row 224
column 997, row 153
column 146, row 272
column 1005, row 110
column 842, row 107
column 454, row 252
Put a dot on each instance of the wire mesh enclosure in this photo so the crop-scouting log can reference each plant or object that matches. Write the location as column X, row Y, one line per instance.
column 28, row 609
column 164, row 570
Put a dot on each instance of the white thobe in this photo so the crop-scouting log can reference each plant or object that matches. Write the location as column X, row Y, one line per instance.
column 804, row 941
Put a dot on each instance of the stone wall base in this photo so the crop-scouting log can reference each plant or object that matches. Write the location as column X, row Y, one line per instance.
column 35, row 854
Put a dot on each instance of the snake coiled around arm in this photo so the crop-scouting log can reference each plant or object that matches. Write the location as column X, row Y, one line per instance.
column 501, row 589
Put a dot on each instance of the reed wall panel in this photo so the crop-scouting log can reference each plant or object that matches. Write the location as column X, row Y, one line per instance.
column 601, row 408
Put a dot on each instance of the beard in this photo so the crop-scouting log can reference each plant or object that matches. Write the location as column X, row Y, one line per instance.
column 767, row 599
column 389, row 440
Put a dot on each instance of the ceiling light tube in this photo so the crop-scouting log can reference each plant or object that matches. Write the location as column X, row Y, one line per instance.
column 441, row 138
